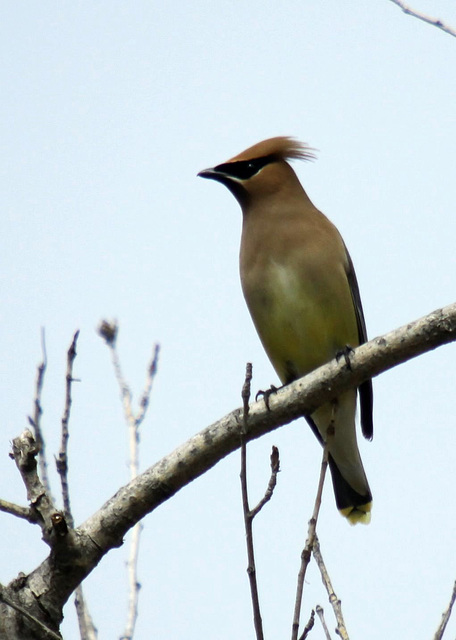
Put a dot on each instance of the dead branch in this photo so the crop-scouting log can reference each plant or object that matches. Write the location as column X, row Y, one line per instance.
column 46, row 589
column 43, row 509
column 333, row 599
column 87, row 629
column 309, row 626
column 35, row 422
column 307, row 552
column 62, row 460
column 248, row 518
column 20, row 512
column 321, row 615
column 48, row 633
column 275, row 468
column 446, row 616
column 435, row 22
column 109, row 332
column 196, row 456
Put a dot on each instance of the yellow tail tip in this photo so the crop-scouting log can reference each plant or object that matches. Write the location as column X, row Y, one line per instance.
column 361, row 513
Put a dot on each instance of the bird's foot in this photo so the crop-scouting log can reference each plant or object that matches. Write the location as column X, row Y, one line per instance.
column 266, row 395
column 345, row 353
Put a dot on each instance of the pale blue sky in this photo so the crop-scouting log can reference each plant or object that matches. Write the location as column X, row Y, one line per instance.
column 108, row 111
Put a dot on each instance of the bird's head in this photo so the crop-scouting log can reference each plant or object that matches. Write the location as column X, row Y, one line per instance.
column 261, row 170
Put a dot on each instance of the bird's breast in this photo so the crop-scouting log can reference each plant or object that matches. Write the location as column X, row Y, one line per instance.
column 302, row 310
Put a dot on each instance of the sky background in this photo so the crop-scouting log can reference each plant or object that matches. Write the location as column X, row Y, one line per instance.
column 108, row 111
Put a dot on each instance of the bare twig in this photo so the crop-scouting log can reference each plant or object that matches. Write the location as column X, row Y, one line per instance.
column 248, row 519
column 205, row 449
column 275, row 468
column 309, row 626
column 35, row 422
column 245, row 394
column 106, row 528
column 145, row 397
column 24, row 453
column 44, row 629
column 62, row 460
column 133, row 583
column 333, row 599
column 87, row 629
column 446, row 616
column 249, row 514
column 435, row 22
column 20, row 512
column 109, row 332
column 306, row 554
column 134, row 423
column 321, row 615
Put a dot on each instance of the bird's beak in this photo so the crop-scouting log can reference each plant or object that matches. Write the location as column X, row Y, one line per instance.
column 219, row 175
column 210, row 173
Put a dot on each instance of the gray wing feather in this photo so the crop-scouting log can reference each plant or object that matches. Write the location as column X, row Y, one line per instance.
column 366, row 397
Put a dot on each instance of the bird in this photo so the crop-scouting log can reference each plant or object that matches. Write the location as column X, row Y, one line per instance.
column 301, row 290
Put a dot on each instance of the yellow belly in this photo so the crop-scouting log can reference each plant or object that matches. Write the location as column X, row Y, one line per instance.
column 302, row 322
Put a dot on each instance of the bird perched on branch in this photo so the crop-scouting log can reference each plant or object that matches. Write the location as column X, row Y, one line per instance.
column 301, row 290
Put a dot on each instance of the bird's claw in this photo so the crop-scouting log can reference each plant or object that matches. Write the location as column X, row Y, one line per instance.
column 345, row 353
column 266, row 395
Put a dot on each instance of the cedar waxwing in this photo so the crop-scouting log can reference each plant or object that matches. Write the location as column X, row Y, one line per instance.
column 300, row 287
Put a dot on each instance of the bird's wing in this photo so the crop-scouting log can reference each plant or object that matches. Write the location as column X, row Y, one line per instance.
column 365, row 389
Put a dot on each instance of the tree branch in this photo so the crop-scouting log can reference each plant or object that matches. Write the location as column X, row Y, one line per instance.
column 48, row 633
column 20, row 512
column 87, row 629
column 75, row 555
column 35, row 422
column 109, row 332
column 333, row 599
column 321, row 615
column 248, row 516
column 307, row 551
column 446, row 616
column 309, row 626
column 435, row 22
column 43, row 510
column 275, row 468
column 201, row 452
column 62, row 460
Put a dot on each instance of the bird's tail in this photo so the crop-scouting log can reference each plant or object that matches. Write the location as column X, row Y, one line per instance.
column 351, row 489
column 351, row 504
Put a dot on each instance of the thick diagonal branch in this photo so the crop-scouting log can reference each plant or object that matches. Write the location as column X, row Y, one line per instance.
column 196, row 456
column 69, row 563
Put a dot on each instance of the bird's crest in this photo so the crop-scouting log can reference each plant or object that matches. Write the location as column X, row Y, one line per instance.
column 279, row 148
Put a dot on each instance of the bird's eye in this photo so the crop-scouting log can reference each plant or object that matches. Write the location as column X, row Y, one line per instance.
column 245, row 169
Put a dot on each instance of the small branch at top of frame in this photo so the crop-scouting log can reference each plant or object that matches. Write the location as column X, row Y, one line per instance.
column 435, row 22
column 446, row 616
